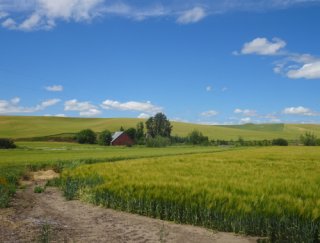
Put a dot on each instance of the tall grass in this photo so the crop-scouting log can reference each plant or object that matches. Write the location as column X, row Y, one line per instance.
column 271, row 192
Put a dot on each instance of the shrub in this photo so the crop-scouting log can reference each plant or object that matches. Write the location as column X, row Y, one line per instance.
column 157, row 141
column 196, row 137
column 38, row 189
column 105, row 138
column 6, row 143
column 309, row 139
column 86, row 136
column 280, row 142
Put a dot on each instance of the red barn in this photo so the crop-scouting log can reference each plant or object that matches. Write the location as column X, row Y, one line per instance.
column 121, row 138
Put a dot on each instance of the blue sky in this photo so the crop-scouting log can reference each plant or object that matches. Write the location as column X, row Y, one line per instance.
column 210, row 62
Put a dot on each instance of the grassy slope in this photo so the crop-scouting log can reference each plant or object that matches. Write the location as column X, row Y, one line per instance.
column 23, row 127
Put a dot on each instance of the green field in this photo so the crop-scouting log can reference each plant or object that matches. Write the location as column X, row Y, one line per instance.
column 36, row 155
column 270, row 191
column 27, row 127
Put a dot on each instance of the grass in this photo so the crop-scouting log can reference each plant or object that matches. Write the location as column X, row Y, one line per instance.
column 270, row 191
column 55, row 127
column 37, row 155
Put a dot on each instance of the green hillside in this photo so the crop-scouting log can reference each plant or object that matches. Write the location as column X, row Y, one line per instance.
column 27, row 127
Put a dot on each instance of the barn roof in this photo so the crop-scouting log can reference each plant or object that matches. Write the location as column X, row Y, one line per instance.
column 116, row 135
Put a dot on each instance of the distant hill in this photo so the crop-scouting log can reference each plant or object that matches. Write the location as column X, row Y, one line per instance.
column 38, row 126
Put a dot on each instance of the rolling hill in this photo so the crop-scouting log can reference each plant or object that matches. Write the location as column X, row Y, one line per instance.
column 38, row 126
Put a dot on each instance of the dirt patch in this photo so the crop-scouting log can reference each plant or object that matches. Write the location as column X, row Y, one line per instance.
column 33, row 217
column 44, row 175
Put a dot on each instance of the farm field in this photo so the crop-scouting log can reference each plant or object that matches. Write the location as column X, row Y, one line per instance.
column 29, row 127
column 268, row 191
column 37, row 155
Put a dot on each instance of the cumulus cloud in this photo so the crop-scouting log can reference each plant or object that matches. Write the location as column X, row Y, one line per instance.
column 55, row 88
column 245, row 112
column 146, row 107
column 299, row 110
column 192, row 16
column 208, row 88
column 307, row 71
column 12, row 106
column 209, row 113
column 262, row 46
column 85, row 108
column 291, row 65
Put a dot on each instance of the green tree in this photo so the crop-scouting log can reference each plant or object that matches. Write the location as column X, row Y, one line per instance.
column 280, row 142
column 132, row 133
column 121, row 129
column 6, row 143
column 86, row 136
column 309, row 139
column 140, row 131
column 196, row 137
column 105, row 138
column 158, row 125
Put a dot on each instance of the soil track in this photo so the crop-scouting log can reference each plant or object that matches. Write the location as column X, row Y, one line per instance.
column 36, row 217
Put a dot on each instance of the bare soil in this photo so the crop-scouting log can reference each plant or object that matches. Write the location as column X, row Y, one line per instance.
column 48, row 217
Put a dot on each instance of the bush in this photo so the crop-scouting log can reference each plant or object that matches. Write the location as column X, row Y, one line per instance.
column 86, row 136
column 157, row 141
column 105, row 138
column 280, row 142
column 39, row 189
column 6, row 143
column 309, row 139
column 196, row 137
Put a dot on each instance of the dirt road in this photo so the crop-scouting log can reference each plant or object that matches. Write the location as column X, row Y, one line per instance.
column 36, row 217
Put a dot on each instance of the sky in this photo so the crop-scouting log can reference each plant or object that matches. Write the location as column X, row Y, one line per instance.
column 205, row 61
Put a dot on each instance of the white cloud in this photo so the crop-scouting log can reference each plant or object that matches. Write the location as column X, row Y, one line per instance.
column 299, row 110
column 90, row 112
column 44, row 14
column 125, row 10
column 245, row 120
column 9, row 23
column 55, row 88
column 15, row 100
column 146, row 107
column 307, row 71
column 56, row 115
column 209, row 113
column 245, row 112
column 48, row 103
column 224, row 89
column 208, row 88
column 12, row 106
column 85, row 108
column 262, row 46
column 292, row 65
column 144, row 116
column 3, row 14
column 192, row 16
column 75, row 105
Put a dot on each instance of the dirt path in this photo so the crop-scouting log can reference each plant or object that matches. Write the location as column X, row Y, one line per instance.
column 34, row 217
